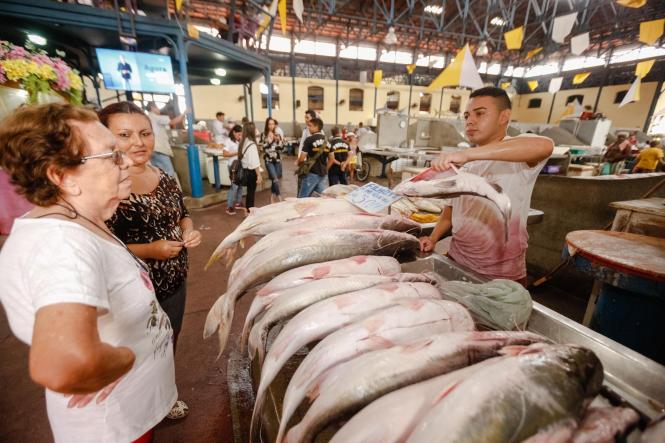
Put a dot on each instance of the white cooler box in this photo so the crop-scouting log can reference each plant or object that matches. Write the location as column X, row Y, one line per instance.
column 223, row 171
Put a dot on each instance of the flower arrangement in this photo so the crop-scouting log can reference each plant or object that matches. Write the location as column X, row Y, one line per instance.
column 36, row 72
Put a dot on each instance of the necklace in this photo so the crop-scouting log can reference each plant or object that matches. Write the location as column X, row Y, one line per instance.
column 75, row 214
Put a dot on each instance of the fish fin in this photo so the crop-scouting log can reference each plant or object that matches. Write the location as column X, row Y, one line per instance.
column 242, row 243
column 512, row 350
column 360, row 259
column 220, row 315
column 255, row 424
column 388, row 287
column 213, row 258
column 344, row 300
column 413, row 304
column 447, row 390
column 378, row 342
column 373, row 324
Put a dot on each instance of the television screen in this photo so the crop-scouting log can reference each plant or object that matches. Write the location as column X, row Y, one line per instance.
column 136, row 71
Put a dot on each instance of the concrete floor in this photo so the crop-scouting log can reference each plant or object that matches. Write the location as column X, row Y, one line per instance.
column 202, row 380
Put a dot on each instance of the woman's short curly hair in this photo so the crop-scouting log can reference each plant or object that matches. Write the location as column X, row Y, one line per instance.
column 36, row 138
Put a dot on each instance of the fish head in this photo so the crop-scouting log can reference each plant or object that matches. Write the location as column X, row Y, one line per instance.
column 401, row 224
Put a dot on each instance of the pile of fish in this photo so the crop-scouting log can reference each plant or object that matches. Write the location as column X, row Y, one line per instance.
column 393, row 356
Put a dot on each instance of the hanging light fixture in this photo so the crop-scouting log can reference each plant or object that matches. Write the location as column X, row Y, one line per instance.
column 482, row 49
column 390, row 38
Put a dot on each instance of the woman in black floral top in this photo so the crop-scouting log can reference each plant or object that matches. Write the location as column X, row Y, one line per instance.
column 271, row 143
column 153, row 221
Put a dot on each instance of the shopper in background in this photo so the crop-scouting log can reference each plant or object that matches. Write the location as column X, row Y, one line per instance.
column 272, row 146
column 219, row 131
column 352, row 139
column 649, row 158
column 361, row 130
column 248, row 153
column 230, row 151
column 153, row 221
column 161, row 157
column 617, row 153
column 314, row 159
column 309, row 114
column 339, row 159
column 99, row 342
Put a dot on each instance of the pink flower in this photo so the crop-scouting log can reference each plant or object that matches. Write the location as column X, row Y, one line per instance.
column 41, row 59
column 17, row 53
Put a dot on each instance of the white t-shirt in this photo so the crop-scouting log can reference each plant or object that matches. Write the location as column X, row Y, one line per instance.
column 219, row 132
column 48, row 261
column 231, row 146
column 250, row 157
column 160, row 124
column 478, row 240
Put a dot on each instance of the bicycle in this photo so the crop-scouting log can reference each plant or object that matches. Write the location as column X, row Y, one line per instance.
column 362, row 168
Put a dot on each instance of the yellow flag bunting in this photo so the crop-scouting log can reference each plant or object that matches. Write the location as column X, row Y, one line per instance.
column 410, row 68
column 651, row 31
column 579, row 78
column 505, row 85
column 378, row 75
column 281, row 7
column 632, row 3
column 533, row 53
column 514, row 38
column 533, row 84
column 643, row 68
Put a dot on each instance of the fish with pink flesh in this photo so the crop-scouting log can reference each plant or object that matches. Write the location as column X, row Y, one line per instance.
column 315, row 247
column 391, row 418
column 359, row 265
column 392, row 326
column 299, row 298
column 430, row 185
column 342, row 221
column 349, row 386
column 260, row 220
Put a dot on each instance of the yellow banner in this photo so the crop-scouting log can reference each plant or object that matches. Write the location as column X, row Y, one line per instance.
column 193, row 32
column 378, row 75
column 579, row 78
column 514, row 38
column 632, row 3
column 533, row 84
column 505, row 85
column 281, row 7
column 643, row 68
column 178, row 5
column 410, row 68
column 533, row 53
column 449, row 76
column 651, row 31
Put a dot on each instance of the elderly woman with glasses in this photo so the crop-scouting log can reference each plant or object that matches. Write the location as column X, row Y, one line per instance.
column 153, row 220
column 99, row 342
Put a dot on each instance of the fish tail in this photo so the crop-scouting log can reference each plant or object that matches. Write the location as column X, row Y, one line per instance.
column 255, row 424
column 244, row 338
column 220, row 316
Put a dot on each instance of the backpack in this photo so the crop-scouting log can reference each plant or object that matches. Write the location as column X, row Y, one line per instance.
column 237, row 173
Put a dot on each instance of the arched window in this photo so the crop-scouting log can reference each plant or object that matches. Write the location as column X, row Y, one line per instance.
column 455, row 103
column 264, row 96
column 315, row 98
column 425, row 102
column 572, row 98
column 535, row 103
column 620, row 96
column 393, row 100
column 356, row 99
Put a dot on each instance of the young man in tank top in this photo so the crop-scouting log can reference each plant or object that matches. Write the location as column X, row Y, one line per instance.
column 478, row 237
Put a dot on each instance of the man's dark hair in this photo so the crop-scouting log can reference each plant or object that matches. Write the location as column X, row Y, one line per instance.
column 360, row 125
column 220, row 114
column 499, row 94
column 335, row 131
column 317, row 122
column 311, row 113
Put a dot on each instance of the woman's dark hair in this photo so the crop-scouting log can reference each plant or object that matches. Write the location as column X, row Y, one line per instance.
column 236, row 129
column 36, row 138
column 265, row 128
column 248, row 132
column 119, row 108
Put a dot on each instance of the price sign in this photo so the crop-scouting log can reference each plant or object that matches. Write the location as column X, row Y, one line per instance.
column 372, row 197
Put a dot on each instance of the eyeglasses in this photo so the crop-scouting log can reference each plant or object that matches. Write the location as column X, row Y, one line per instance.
column 116, row 156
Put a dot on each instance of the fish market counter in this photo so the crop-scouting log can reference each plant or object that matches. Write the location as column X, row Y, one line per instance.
column 630, row 378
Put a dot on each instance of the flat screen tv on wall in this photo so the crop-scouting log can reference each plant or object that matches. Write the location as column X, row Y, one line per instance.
column 136, row 71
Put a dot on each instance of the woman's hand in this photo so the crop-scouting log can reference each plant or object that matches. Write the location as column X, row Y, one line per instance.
column 426, row 244
column 83, row 400
column 191, row 239
column 259, row 178
column 166, row 249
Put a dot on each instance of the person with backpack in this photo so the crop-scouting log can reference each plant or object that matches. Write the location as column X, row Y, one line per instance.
column 230, row 151
column 313, row 160
column 248, row 153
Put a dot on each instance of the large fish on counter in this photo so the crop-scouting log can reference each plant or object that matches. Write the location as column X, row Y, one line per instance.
column 282, row 232
column 359, row 265
column 349, row 386
column 323, row 318
column 262, row 220
column 430, row 183
column 316, row 247
column 392, row 326
column 512, row 400
column 357, row 299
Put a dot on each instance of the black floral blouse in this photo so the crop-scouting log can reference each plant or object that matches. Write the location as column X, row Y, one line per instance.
column 144, row 218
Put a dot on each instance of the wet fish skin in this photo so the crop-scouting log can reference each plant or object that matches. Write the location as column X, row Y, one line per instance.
column 260, row 219
column 348, row 387
column 393, row 326
column 311, row 248
column 303, row 297
column 512, row 400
